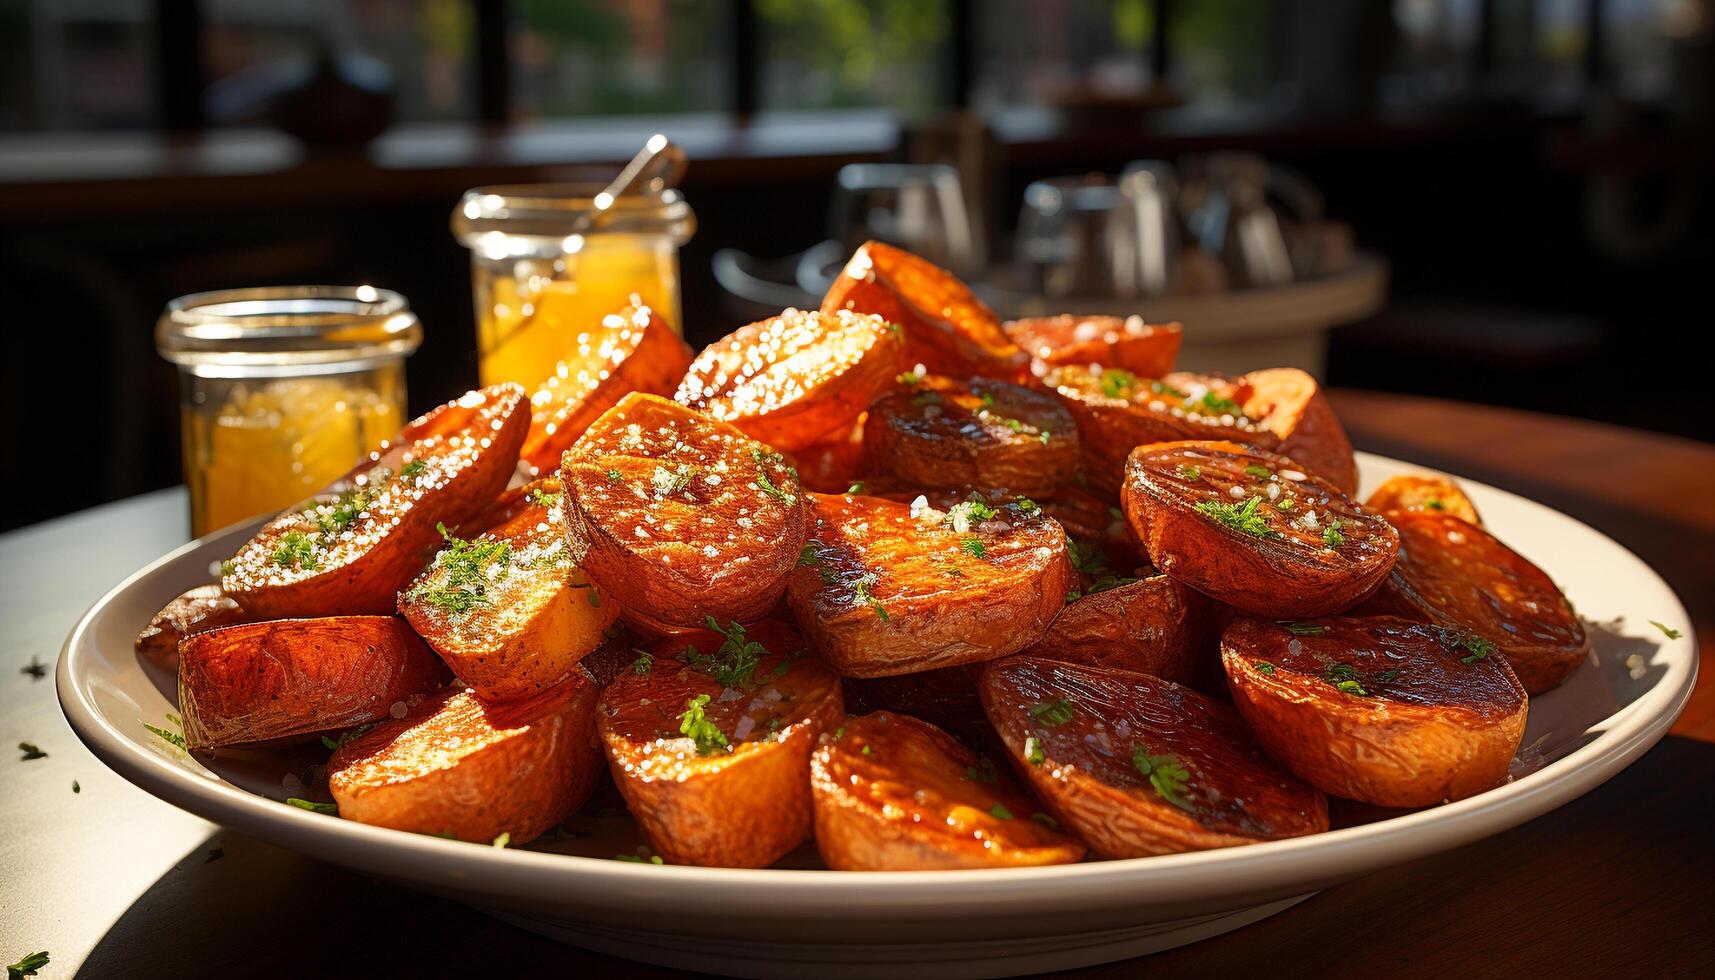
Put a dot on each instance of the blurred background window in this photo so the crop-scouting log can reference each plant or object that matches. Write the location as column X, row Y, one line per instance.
column 835, row 53
column 419, row 49
column 1044, row 52
column 76, row 64
column 618, row 57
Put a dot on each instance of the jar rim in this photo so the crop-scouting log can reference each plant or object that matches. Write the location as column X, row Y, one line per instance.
column 553, row 210
column 275, row 329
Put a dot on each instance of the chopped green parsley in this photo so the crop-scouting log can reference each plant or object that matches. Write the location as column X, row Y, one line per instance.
column 1477, row 647
column 639, row 859
column 1046, row 820
column 413, row 469
column 330, row 809
column 296, row 550
column 983, row 772
column 27, row 965
column 543, row 498
column 972, row 545
column 1305, row 629
column 1165, row 772
column 31, row 751
column 1033, row 752
column 1190, row 473
column 734, row 663
column 1666, row 630
column 1344, row 677
column 1260, row 472
column 763, row 461
column 1056, row 712
column 694, row 723
column 1331, row 535
column 1117, row 383
column 1000, row 812
column 643, row 664
column 861, row 589
column 1243, row 518
column 464, row 568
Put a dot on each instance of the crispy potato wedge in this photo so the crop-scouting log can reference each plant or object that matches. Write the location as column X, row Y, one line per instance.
column 1383, row 710
column 631, row 350
column 890, row 588
column 201, row 609
column 1457, row 574
column 458, row 766
column 1253, row 530
column 945, row 434
column 1117, row 411
column 1151, row 626
column 792, row 379
column 278, row 680
column 893, row 793
column 1425, row 492
column 1127, row 343
column 1290, row 404
column 710, row 746
column 509, row 611
column 1135, row 765
column 680, row 517
column 349, row 552
column 947, row 328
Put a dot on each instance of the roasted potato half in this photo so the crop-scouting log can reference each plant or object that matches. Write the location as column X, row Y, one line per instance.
column 889, row 588
column 1290, row 404
column 349, row 552
column 681, row 517
column 893, row 793
column 201, row 609
column 792, row 379
column 1152, row 626
column 1135, row 765
column 509, row 611
column 709, row 738
column 1424, row 492
column 1117, row 411
column 1253, row 530
column 291, row 678
column 633, row 349
column 458, row 766
column 944, row 434
column 1383, row 709
column 1457, row 574
column 947, row 328
column 1147, row 350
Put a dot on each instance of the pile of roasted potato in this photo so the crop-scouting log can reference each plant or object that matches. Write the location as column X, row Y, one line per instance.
column 933, row 590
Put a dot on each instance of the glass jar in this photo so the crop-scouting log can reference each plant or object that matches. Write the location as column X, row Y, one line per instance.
column 538, row 284
column 282, row 390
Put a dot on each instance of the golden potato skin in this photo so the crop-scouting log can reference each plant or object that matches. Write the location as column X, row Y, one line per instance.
column 1424, row 492
column 296, row 678
column 1086, row 762
column 458, row 766
column 881, row 592
column 947, row 328
column 1145, row 349
column 1289, row 563
column 1151, row 626
column 1290, row 404
column 679, row 516
column 742, row 806
column 634, row 349
column 447, row 466
column 1457, row 574
column 1424, row 715
column 793, row 379
column 943, row 434
column 201, row 609
column 893, row 793
column 538, row 614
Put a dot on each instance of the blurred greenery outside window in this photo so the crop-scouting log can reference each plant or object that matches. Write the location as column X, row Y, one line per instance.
column 76, row 64
column 420, row 50
column 837, row 53
column 619, row 57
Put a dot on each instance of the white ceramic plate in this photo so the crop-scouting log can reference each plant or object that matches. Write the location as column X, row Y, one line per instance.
column 794, row 921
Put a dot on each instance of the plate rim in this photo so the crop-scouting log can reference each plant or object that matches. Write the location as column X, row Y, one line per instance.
column 1194, row 875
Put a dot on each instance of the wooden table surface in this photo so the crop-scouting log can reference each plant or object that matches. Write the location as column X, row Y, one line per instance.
column 114, row 883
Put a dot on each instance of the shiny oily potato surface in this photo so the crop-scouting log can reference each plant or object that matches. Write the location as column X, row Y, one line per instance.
column 889, row 588
column 201, row 609
column 681, row 517
column 1117, row 411
column 1423, row 492
column 295, row 678
column 1290, row 403
column 1382, row 709
column 1126, row 343
column 1135, row 765
column 458, row 766
column 350, row 551
column 942, row 433
column 633, row 349
column 710, row 746
column 893, row 793
column 947, row 328
column 1454, row 573
column 1254, row 530
column 792, row 379
column 509, row 611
